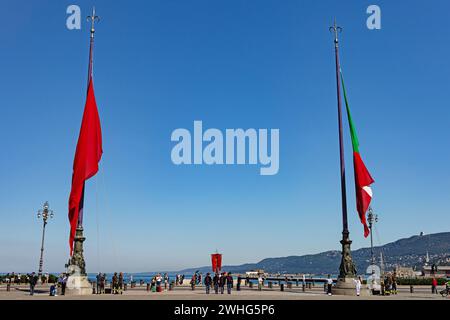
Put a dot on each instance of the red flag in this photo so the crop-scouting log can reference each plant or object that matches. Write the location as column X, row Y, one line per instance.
column 363, row 179
column 216, row 260
column 87, row 156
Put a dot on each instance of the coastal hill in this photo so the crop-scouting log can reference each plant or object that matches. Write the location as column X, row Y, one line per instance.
column 408, row 252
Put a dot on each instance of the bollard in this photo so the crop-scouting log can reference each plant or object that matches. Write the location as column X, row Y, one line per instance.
column 289, row 285
column 303, row 287
column 93, row 287
column 125, row 285
column 8, row 287
column 411, row 289
column 296, row 282
column 282, row 287
column 250, row 284
column 270, row 284
column 148, row 287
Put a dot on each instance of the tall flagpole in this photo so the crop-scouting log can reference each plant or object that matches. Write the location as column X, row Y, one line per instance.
column 77, row 258
column 347, row 268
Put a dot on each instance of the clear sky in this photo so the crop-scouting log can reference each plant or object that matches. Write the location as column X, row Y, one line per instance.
column 160, row 65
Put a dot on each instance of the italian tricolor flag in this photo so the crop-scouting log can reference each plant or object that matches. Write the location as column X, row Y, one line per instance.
column 363, row 180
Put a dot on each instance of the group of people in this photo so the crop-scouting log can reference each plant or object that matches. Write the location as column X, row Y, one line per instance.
column 218, row 282
column 117, row 283
column 101, row 283
column 157, row 282
column 179, row 278
column 389, row 284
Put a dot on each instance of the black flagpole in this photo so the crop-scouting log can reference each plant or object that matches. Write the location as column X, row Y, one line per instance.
column 77, row 258
column 347, row 268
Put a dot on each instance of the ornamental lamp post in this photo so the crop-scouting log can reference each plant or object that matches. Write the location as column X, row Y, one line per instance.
column 371, row 218
column 45, row 214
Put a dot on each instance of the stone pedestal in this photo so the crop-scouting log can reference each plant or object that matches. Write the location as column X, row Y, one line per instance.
column 78, row 285
column 77, row 281
column 347, row 287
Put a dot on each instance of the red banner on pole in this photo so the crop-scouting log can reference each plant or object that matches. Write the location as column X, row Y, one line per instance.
column 216, row 261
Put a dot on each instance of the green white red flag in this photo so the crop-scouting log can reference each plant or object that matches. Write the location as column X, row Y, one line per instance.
column 363, row 179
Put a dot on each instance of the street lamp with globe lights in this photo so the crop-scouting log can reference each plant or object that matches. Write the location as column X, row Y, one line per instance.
column 45, row 214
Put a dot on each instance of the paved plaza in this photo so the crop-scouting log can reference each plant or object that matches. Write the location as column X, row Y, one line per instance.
column 185, row 293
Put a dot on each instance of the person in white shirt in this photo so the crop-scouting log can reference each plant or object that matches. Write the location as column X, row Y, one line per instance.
column 358, row 283
column 329, row 285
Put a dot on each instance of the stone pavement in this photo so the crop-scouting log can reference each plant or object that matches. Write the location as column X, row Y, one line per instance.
column 185, row 293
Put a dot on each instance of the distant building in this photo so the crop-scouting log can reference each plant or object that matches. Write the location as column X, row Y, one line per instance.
column 436, row 271
column 405, row 272
column 254, row 273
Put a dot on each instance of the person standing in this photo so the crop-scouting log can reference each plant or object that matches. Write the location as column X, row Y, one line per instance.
column 102, row 283
column 216, row 283
column 121, row 283
column 99, row 279
column 238, row 285
column 63, row 284
column 166, row 281
column 229, row 279
column 222, row 280
column 33, row 280
column 193, row 282
column 394, row 284
column 207, row 282
column 114, row 283
column 260, row 282
column 358, row 283
column 434, row 285
column 329, row 285
column 159, row 280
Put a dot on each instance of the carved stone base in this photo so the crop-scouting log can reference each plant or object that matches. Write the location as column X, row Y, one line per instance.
column 78, row 285
column 347, row 287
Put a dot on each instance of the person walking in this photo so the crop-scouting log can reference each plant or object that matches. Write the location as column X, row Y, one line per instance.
column 216, row 283
column 329, row 285
column 358, row 283
column 33, row 280
column 229, row 279
column 207, row 282
column 434, row 285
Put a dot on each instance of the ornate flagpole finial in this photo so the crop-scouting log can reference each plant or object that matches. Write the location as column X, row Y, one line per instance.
column 336, row 30
column 93, row 18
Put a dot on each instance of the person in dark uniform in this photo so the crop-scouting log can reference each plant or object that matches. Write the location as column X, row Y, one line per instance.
column 207, row 282
column 229, row 280
column 115, row 283
column 222, row 281
column 33, row 280
column 238, row 285
column 121, row 283
column 216, row 283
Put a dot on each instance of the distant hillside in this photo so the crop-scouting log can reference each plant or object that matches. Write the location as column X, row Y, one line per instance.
column 409, row 252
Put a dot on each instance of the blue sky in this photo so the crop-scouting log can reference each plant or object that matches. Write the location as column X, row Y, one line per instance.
column 160, row 65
